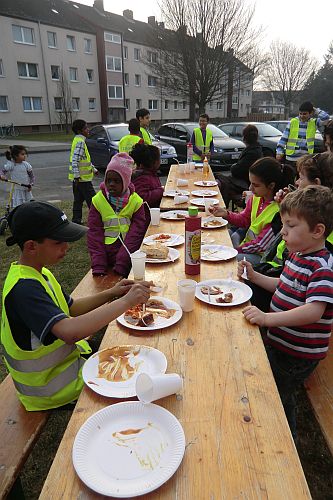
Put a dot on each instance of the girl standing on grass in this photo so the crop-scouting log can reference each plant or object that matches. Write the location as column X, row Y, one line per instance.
column 19, row 170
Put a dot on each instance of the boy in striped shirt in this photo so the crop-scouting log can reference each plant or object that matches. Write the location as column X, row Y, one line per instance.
column 300, row 320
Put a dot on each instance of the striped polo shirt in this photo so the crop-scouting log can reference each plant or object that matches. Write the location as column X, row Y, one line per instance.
column 305, row 279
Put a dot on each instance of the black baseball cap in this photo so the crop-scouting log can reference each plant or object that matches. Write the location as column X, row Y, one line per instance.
column 37, row 219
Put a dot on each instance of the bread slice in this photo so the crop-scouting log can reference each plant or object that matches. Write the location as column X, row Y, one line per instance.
column 156, row 251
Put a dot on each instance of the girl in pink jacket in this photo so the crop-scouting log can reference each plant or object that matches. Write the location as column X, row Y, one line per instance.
column 145, row 179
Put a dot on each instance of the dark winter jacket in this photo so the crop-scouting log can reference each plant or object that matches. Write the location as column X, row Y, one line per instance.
column 148, row 186
column 240, row 170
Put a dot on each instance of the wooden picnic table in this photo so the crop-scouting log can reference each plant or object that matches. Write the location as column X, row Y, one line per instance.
column 238, row 443
column 168, row 203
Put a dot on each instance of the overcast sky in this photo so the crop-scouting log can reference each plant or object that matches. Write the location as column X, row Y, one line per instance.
column 305, row 23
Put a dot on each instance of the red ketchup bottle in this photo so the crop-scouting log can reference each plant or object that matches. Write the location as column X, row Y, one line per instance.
column 192, row 241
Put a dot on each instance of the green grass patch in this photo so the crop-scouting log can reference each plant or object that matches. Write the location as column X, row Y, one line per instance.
column 46, row 136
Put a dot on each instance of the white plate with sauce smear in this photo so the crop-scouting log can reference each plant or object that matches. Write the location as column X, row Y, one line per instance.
column 241, row 292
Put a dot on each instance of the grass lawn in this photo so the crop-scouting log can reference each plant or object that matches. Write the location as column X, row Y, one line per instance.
column 46, row 136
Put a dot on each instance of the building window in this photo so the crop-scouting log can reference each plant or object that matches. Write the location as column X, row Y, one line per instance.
column 55, row 72
column 92, row 103
column 115, row 92
column 113, row 63
column 112, row 37
column 73, row 74
column 152, row 57
column 3, row 103
column 152, row 81
column 127, row 104
column 184, row 105
column 87, row 46
column 166, row 104
column 211, row 106
column 152, row 104
column 125, row 52
column 126, row 78
column 138, row 103
column 90, row 75
column 76, row 103
column 219, row 105
column 235, row 99
column 137, row 80
column 71, row 43
column 22, row 34
column 175, row 105
column 2, row 73
column 32, row 103
column 248, row 93
column 27, row 70
column 58, row 104
column 137, row 54
column 52, row 40
column 241, row 91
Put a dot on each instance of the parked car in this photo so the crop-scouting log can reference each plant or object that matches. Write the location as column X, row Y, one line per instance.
column 268, row 136
column 226, row 150
column 103, row 143
column 281, row 125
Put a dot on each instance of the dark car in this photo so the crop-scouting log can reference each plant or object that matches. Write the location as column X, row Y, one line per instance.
column 281, row 125
column 226, row 150
column 103, row 143
column 268, row 136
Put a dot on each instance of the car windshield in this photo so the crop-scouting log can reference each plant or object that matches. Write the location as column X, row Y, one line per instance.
column 215, row 131
column 267, row 130
column 116, row 133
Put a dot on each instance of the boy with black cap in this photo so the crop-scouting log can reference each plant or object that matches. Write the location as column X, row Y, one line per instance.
column 42, row 328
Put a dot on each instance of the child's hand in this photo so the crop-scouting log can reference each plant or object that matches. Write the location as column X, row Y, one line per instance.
column 3, row 177
column 218, row 211
column 96, row 172
column 281, row 194
column 249, row 269
column 122, row 287
column 254, row 315
column 138, row 294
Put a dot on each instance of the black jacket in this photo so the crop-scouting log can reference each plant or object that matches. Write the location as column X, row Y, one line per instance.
column 240, row 170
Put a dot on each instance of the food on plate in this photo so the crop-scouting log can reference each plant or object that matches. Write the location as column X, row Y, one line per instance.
column 228, row 297
column 135, row 315
column 117, row 364
column 156, row 251
column 212, row 222
column 146, row 319
column 162, row 237
column 213, row 290
column 180, row 216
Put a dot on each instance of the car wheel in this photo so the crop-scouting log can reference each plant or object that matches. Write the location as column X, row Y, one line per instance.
column 268, row 152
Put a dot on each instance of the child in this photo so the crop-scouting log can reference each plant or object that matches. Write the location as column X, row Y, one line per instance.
column 127, row 142
column 115, row 216
column 19, row 170
column 300, row 321
column 143, row 115
column 145, row 179
column 81, row 170
column 42, row 327
column 266, row 177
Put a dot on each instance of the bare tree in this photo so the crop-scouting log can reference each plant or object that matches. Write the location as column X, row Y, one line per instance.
column 200, row 44
column 288, row 70
column 65, row 112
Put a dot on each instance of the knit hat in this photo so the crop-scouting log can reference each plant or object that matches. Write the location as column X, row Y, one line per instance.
column 121, row 163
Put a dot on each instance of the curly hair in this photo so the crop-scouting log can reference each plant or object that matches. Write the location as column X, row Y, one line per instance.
column 145, row 156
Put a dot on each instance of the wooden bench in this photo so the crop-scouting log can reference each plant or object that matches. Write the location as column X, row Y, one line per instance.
column 19, row 429
column 319, row 387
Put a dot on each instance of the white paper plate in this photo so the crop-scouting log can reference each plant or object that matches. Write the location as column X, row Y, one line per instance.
column 205, row 220
column 146, row 360
column 128, row 465
column 241, row 292
column 172, row 214
column 173, row 192
column 205, row 183
column 200, row 202
column 216, row 253
column 173, row 255
column 174, row 241
column 204, row 192
column 159, row 322
column 206, row 240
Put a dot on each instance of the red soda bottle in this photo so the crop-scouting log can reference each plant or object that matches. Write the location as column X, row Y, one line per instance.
column 192, row 241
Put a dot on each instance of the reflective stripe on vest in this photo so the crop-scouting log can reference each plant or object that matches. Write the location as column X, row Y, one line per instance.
column 49, row 376
column 85, row 168
column 127, row 142
column 145, row 136
column 293, row 136
column 259, row 222
column 278, row 260
column 199, row 142
column 116, row 224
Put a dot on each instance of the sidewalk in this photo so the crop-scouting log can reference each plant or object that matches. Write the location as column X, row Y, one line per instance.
column 34, row 146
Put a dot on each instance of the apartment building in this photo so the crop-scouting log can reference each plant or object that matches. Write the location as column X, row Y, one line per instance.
column 42, row 44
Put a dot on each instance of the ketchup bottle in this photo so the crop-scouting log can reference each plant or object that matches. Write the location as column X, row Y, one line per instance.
column 192, row 241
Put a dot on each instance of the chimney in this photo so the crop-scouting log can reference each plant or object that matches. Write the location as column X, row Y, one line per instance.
column 161, row 24
column 151, row 21
column 128, row 14
column 99, row 5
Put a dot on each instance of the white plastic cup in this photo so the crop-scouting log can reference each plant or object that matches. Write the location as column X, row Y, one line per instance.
column 192, row 166
column 182, row 182
column 186, row 294
column 155, row 216
column 179, row 199
column 208, row 204
column 181, row 168
column 138, row 259
column 247, row 195
column 187, row 168
column 152, row 387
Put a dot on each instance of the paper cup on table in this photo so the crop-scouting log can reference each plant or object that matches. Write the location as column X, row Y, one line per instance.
column 181, row 168
column 152, row 387
column 182, row 182
column 179, row 199
column 208, row 204
column 138, row 259
column 192, row 166
column 187, row 168
column 155, row 216
column 186, row 294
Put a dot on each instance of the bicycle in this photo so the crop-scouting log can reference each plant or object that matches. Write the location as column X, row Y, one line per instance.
column 4, row 218
column 12, row 131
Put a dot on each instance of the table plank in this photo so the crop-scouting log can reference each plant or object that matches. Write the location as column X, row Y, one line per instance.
column 168, row 203
column 238, row 440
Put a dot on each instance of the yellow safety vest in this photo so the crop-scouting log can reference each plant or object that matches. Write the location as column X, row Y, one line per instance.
column 278, row 259
column 85, row 166
column 116, row 224
column 127, row 142
column 293, row 136
column 330, row 238
column 146, row 136
column 199, row 142
column 259, row 222
column 49, row 376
